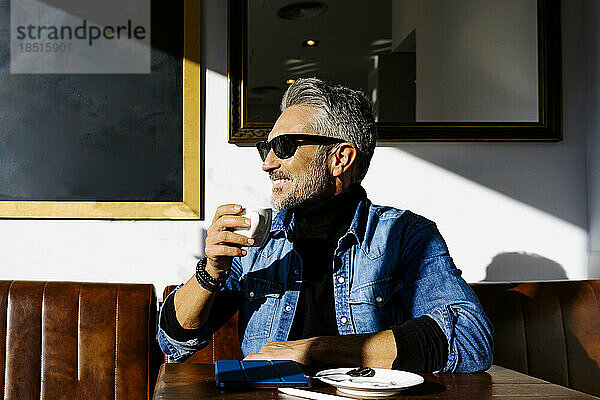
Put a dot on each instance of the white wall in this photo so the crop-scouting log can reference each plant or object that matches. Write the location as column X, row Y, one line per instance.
column 497, row 204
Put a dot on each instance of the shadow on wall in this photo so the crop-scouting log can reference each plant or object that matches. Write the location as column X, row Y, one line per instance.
column 523, row 267
column 509, row 168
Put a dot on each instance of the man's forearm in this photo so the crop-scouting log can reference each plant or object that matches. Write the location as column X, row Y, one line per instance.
column 192, row 303
column 369, row 350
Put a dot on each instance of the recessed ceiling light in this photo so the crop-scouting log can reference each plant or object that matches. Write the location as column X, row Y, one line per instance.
column 310, row 43
column 302, row 11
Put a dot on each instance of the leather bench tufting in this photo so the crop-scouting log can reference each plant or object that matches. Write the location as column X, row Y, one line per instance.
column 72, row 340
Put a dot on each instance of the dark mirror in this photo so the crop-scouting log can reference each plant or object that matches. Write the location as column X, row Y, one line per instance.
column 435, row 69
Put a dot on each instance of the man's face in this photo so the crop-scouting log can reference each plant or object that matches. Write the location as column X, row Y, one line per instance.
column 304, row 177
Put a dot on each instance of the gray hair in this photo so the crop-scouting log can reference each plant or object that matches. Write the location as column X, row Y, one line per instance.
column 342, row 113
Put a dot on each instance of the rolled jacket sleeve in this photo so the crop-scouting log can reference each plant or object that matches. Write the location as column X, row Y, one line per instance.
column 434, row 287
column 225, row 304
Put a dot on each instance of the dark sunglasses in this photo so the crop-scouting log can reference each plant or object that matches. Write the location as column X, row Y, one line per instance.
column 285, row 145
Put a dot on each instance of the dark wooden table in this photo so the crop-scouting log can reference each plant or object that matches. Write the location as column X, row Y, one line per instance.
column 197, row 381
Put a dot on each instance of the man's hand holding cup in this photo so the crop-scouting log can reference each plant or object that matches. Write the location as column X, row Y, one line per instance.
column 233, row 228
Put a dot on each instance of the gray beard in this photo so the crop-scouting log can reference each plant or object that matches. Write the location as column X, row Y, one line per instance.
column 308, row 186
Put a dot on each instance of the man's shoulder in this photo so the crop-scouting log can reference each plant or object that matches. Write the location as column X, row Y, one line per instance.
column 398, row 217
column 389, row 227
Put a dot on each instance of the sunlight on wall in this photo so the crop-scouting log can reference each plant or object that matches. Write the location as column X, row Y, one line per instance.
column 478, row 223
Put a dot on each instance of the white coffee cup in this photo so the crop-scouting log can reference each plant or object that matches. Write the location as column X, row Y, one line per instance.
column 260, row 224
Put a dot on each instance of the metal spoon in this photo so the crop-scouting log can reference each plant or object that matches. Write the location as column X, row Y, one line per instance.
column 361, row 371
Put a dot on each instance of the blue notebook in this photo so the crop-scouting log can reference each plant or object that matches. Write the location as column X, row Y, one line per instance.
column 259, row 374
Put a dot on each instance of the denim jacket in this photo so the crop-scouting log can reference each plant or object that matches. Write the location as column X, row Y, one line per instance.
column 391, row 266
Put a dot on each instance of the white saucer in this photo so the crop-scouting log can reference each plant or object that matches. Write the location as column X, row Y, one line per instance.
column 385, row 382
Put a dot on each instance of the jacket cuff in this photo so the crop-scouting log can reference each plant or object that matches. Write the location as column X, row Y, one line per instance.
column 179, row 351
column 446, row 317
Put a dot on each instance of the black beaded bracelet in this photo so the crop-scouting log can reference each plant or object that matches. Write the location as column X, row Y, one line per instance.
column 205, row 280
column 206, row 285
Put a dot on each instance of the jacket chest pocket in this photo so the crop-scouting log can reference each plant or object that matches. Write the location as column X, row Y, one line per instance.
column 261, row 302
column 375, row 306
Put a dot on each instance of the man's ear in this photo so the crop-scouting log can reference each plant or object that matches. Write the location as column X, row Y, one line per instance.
column 341, row 158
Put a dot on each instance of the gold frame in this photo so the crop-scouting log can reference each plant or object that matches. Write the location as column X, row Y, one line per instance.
column 190, row 207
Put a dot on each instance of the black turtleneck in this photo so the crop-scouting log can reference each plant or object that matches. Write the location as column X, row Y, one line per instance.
column 317, row 231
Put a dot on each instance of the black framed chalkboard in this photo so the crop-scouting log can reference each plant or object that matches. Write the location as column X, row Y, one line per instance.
column 106, row 145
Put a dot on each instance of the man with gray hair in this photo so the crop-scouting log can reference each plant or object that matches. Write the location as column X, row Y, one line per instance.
column 339, row 280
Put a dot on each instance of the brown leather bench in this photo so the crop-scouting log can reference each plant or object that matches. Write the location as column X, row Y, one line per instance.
column 550, row 330
column 77, row 340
